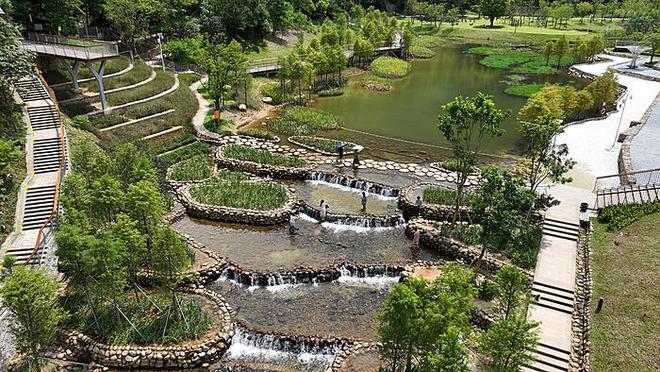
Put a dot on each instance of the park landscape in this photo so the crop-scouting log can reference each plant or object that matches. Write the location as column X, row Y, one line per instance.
column 271, row 185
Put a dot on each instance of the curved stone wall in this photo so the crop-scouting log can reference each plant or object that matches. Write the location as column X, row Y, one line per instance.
column 354, row 183
column 264, row 170
column 237, row 215
column 367, row 220
column 295, row 141
column 198, row 353
column 429, row 211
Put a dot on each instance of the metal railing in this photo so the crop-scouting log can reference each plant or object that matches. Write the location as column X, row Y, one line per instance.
column 69, row 47
column 47, row 227
column 632, row 187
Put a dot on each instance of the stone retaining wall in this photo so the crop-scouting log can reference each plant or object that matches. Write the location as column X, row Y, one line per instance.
column 580, row 326
column 289, row 342
column 237, row 215
column 625, row 160
column 354, row 183
column 431, row 237
column 429, row 211
column 197, row 353
column 264, row 170
column 338, row 363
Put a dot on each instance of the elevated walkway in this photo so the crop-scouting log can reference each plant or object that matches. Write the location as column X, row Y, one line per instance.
column 628, row 188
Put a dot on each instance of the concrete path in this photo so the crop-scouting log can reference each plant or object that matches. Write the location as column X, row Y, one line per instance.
column 590, row 143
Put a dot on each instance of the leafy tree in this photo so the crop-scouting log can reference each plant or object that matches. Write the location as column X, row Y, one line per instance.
column 107, row 197
column 422, row 322
column 131, row 166
column 582, row 9
column 561, row 49
column 29, row 296
column 464, row 123
column 604, row 89
column 510, row 344
column 511, row 292
column 126, row 231
column 583, row 101
column 493, row 9
column 652, row 40
column 15, row 63
column 594, row 46
column 225, row 64
column 61, row 16
column 364, row 50
column 543, row 160
column 548, row 50
column 145, row 205
column 130, row 18
column 548, row 102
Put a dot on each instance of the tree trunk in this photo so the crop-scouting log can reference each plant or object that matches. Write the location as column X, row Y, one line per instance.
column 492, row 20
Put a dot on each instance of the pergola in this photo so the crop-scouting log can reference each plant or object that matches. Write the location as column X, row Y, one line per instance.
column 77, row 50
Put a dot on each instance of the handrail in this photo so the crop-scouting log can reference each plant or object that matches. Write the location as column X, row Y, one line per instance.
column 603, row 182
column 628, row 173
column 69, row 47
column 41, row 235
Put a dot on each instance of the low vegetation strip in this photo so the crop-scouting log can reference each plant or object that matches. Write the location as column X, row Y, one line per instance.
column 230, row 191
column 299, row 120
column 163, row 81
column 140, row 72
column 195, row 168
column 439, row 195
column 257, row 133
column 526, row 90
column 617, row 217
column 390, row 67
column 419, row 51
column 376, row 83
column 625, row 270
column 246, row 153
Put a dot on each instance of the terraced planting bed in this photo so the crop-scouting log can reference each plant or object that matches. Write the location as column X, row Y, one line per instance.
column 164, row 80
column 195, row 168
column 231, row 189
column 246, row 153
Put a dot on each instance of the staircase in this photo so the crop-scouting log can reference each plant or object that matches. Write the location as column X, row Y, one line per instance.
column 552, row 297
column 560, row 229
column 37, row 203
column 549, row 359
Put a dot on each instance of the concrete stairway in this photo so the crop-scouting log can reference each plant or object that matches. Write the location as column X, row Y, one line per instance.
column 44, row 156
column 560, row 229
column 549, row 359
column 552, row 297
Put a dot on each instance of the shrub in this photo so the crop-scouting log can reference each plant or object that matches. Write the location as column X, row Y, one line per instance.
column 619, row 216
column 303, row 121
column 228, row 190
column 246, row 153
column 331, row 92
column 421, row 52
column 390, row 67
column 376, row 83
column 439, row 195
column 193, row 169
column 186, row 50
column 487, row 290
column 323, row 144
column 526, row 90
column 80, row 121
column 257, row 133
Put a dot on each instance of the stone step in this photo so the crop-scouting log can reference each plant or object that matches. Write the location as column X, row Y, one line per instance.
column 561, row 225
column 560, row 235
column 538, row 284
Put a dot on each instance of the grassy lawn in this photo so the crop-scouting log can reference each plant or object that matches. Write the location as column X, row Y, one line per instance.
column 390, row 67
column 526, row 90
column 624, row 334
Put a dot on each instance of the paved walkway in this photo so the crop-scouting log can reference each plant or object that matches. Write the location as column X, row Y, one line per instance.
column 590, row 143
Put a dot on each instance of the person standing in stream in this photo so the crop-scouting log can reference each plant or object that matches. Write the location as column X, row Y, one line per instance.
column 364, row 201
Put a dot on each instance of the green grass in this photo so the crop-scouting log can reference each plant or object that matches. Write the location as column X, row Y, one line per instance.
column 426, row 41
column 506, row 61
column 138, row 73
column 230, row 191
column 111, row 66
column 439, row 195
column 195, row 168
column 483, row 50
column 624, row 334
column 526, row 90
column 299, row 120
column 376, row 83
column 323, row 144
column 418, row 51
column 257, row 133
column 148, row 320
column 193, row 149
column 246, row 153
column 163, row 81
column 330, row 92
column 619, row 216
column 182, row 100
column 390, row 67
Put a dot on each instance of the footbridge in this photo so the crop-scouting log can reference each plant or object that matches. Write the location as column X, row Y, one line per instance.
column 78, row 51
column 628, row 188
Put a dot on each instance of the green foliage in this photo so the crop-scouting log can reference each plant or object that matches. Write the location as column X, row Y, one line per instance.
column 257, row 133
column 604, row 89
column 493, row 9
column 193, row 169
column 487, row 290
column 29, row 295
column 376, row 83
column 140, row 72
column 142, row 313
column 423, row 321
column 390, row 67
column 9, row 154
column 526, row 90
column 194, row 148
column 246, row 153
column 230, row 191
column 303, row 121
column 15, row 62
column 483, row 50
column 225, row 65
column 324, row 144
column 163, row 81
column 439, row 195
column 619, row 216
column 188, row 50
column 506, row 60
column 331, row 92
column 421, row 52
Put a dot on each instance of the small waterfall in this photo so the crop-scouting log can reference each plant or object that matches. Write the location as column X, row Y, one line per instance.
column 380, row 276
column 256, row 347
column 310, row 213
column 370, row 187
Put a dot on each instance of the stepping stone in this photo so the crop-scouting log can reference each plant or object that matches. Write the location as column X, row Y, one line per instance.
column 369, row 165
column 381, row 168
column 404, row 170
column 390, row 167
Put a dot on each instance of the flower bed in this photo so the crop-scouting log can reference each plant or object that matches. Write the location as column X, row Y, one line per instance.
column 390, row 67
column 322, row 145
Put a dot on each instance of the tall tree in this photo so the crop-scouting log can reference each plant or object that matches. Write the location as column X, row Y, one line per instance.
column 29, row 295
column 15, row 63
column 493, row 9
column 561, row 49
column 543, row 160
column 465, row 122
column 225, row 64
column 130, row 18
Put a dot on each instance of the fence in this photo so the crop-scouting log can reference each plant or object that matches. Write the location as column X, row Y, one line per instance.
column 69, row 47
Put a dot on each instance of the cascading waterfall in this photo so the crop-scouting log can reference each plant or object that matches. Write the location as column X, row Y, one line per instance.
column 310, row 213
column 353, row 183
column 380, row 276
column 253, row 347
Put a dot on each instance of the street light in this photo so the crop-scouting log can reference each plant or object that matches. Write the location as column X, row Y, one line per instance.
column 623, row 108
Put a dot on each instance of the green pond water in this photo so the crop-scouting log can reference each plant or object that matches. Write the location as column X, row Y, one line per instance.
column 410, row 111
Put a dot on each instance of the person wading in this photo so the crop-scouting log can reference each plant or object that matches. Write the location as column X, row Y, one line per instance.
column 364, row 201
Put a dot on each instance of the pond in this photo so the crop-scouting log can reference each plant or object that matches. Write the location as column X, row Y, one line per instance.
column 410, row 112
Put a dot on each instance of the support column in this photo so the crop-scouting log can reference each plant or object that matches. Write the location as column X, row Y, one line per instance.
column 98, row 75
column 73, row 71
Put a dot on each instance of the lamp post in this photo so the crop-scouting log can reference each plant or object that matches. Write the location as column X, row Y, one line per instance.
column 623, row 108
column 160, row 45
